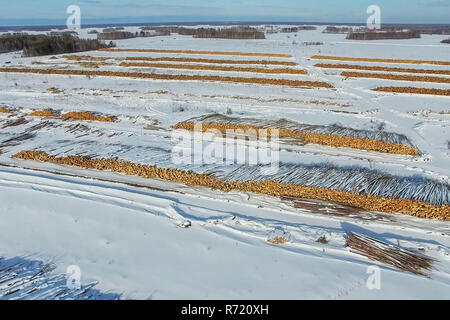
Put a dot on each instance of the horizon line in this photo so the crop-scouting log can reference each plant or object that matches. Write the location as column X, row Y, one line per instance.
column 212, row 22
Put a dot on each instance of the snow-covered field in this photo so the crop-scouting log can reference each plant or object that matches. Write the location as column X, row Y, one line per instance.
column 148, row 238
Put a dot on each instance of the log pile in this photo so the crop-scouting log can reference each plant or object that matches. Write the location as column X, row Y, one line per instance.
column 88, row 58
column 313, row 138
column 277, row 240
column 248, row 54
column 395, row 77
column 173, row 59
column 54, row 90
column 408, row 61
column 179, row 77
column 437, row 92
column 267, row 186
column 44, row 113
column 213, row 68
column 400, row 258
column 221, row 61
column 87, row 116
column 84, row 115
column 5, row 110
column 376, row 68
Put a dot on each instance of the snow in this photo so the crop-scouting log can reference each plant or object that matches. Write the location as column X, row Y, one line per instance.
column 128, row 238
column 127, row 232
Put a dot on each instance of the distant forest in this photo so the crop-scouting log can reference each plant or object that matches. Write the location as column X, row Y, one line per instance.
column 109, row 34
column 297, row 29
column 388, row 31
column 41, row 45
column 116, row 35
column 373, row 35
column 337, row 30
column 241, row 32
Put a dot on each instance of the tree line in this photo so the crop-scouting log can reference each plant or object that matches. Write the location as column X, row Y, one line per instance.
column 40, row 45
column 241, row 32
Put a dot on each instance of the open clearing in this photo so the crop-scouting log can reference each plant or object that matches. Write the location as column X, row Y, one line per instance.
column 99, row 168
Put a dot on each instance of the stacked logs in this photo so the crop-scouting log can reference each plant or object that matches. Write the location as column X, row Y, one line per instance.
column 249, row 54
column 267, row 186
column 376, row 68
column 5, row 110
column 220, row 61
column 397, row 77
column 44, row 113
column 83, row 115
column 180, row 77
column 437, row 92
column 313, row 138
column 213, row 68
column 407, row 61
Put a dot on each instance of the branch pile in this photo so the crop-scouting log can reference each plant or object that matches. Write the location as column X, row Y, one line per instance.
column 379, row 251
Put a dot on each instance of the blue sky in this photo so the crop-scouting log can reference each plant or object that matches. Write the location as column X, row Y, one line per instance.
column 35, row 12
